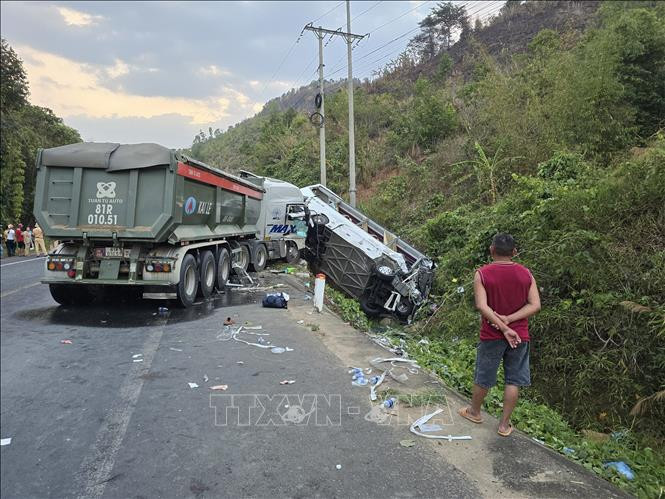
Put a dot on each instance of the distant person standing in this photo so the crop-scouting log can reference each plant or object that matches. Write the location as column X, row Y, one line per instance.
column 19, row 240
column 27, row 241
column 38, row 234
column 11, row 240
column 506, row 296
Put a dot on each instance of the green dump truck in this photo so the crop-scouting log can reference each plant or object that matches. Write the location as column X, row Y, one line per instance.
column 142, row 219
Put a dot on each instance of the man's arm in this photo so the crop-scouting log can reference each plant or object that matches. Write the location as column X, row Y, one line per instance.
column 481, row 304
column 532, row 306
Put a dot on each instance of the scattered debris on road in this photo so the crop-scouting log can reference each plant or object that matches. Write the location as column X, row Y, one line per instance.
column 276, row 300
column 407, row 443
column 339, row 466
column 193, row 385
column 421, row 421
column 5, row 441
column 219, row 387
column 175, row 349
column 66, row 342
column 205, row 378
column 287, row 382
column 137, row 355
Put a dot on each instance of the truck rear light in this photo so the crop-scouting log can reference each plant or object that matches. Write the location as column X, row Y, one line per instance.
column 67, row 266
column 71, row 273
column 59, row 266
column 51, row 265
column 158, row 267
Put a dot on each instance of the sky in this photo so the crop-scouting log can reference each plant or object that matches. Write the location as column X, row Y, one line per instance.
column 159, row 72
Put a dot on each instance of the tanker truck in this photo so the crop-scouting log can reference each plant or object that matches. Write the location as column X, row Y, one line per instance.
column 145, row 220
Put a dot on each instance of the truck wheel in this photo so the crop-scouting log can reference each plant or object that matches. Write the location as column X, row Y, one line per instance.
column 260, row 258
column 223, row 268
column 292, row 253
column 207, row 274
column 242, row 257
column 189, row 281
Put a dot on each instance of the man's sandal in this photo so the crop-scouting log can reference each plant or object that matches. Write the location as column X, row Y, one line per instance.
column 465, row 414
column 507, row 432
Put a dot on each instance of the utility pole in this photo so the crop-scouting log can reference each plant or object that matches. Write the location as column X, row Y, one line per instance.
column 352, row 135
column 349, row 37
column 322, row 129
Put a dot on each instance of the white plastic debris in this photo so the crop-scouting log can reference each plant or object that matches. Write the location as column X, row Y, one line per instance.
column 338, row 466
column 287, row 382
column 421, row 421
column 175, row 349
column 193, row 385
column 219, row 387
column 137, row 360
column 205, row 378
column 136, row 356
column 5, row 441
column 372, row 390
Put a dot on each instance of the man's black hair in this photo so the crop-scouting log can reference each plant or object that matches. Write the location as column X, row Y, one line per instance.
column 504, row 244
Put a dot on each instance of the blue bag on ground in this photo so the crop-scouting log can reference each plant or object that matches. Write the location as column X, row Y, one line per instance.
column 276, row 300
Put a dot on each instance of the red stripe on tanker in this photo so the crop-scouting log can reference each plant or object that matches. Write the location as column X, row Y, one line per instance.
column 210, row 178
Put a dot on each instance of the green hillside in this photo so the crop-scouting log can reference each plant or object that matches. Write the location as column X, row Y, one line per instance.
column 563, row 145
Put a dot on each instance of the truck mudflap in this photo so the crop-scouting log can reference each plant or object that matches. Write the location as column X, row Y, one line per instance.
column 385, row 281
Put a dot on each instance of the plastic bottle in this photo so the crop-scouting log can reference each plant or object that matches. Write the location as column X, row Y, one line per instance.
column 359, row 381
column 390, row 403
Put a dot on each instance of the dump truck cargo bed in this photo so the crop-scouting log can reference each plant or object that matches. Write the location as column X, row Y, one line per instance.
column 139, row 193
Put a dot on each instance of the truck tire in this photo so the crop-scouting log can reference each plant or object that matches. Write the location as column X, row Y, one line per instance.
column 71, row 294
column 292, row 253
column 260, row 258
column 223, row 268
column 242, row 257
column 207, row 274
column 189, row 281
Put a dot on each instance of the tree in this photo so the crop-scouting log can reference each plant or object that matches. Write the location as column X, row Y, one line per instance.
column 25, row 128
column 14, row 87
column 449, row 17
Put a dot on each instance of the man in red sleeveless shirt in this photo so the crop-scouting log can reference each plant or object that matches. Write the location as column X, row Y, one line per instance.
column 506, row 296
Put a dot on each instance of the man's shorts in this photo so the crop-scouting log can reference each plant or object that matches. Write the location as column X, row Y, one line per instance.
column 515, row 363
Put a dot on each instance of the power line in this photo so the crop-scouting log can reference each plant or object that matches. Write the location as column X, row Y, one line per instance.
column 365, row 11
column 328, row 12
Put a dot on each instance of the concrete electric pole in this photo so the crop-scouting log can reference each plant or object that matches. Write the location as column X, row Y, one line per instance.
column 352, row 135
column 349, row 37
column 320, row 34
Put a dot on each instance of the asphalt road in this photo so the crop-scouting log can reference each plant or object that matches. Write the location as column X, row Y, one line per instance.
column 86, row 420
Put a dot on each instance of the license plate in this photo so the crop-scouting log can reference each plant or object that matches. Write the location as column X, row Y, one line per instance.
column 112, row 252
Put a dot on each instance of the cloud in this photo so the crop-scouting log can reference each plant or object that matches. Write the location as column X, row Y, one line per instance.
column 77, row 18
column 71, row 88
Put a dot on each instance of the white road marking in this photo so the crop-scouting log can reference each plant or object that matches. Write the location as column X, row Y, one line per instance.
column 23, row 261
column 7, row 293
column 98, row 464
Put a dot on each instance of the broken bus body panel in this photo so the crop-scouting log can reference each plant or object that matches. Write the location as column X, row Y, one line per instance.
column 386, row 274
